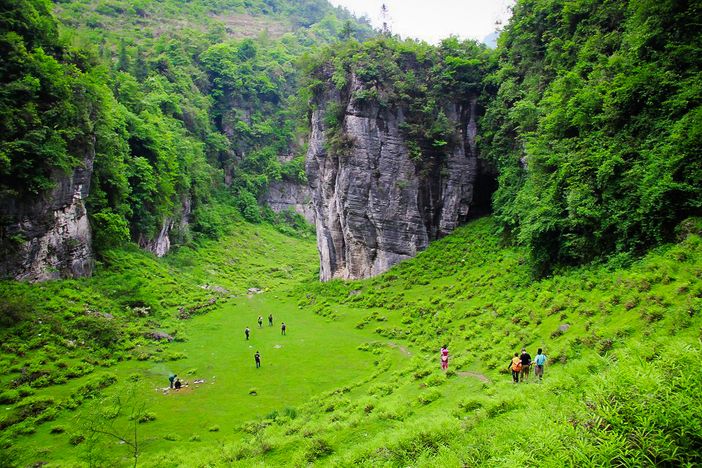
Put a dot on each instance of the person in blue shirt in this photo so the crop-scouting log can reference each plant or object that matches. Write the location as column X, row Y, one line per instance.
column 539, row 362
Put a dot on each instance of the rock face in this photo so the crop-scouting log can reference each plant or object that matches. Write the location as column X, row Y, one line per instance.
column 375, row 206
column 48, row 237
column 177, row 225
column 287, row 195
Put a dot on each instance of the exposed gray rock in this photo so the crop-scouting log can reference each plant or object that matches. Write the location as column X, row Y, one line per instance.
column 161, row 244
column 287, row 195
column 48, row 236
column 159, row 335
column 374, row 206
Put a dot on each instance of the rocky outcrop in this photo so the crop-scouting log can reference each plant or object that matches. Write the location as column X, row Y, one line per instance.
column 374, row 205
column 287, row 195
column 48, row 237
column 170, row 227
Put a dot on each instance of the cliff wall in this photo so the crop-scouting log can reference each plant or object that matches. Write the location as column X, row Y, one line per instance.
column 49, row 237
column 375, row 204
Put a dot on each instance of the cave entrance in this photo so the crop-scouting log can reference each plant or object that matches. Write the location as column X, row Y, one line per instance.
column 485, row 186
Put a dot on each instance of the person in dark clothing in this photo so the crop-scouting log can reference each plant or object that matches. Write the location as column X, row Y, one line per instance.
column 282, row 328
column 257, row 357
column 171, row 379
column 270, row 320
column 177, row 384
column 526, row 363
column 260, row 321
column 247, row 331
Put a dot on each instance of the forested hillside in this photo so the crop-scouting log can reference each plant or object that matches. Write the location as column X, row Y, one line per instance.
column 170, row 102
column 596, row 126
column 141, row 142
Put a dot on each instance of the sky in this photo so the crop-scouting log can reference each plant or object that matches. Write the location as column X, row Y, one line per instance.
column 433, row 20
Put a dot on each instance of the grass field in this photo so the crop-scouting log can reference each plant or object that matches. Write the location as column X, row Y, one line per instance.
column 356, row 380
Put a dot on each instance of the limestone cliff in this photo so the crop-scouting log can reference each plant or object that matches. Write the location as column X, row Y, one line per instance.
column 48, row 237
column 375, row 204
column 173, row 230
column 288, row 195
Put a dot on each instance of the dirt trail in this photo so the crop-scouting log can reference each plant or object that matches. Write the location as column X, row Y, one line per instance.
column 402, row 349
column 475, row 375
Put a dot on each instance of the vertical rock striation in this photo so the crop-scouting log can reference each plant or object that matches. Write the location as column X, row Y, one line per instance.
column 374, row 205
column 287, row 195
column 173, row 229
column 49, row 237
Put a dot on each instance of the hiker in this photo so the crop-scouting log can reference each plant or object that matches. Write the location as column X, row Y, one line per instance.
column 246, row 332
column 270, row 320
column 444, row 357
column 260, row 321
column 282, row 328
column 526, row 363
column 515, row 366
column 539, row 360
column 177, row 384
column 171, row 379
column 257, row 357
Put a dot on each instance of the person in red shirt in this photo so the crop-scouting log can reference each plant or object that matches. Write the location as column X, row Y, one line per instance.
column 444, row 357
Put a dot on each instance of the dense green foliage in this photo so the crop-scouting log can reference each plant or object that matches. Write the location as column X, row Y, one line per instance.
column 428, row 84
column 48, row 100
column 596, row 126
column 171, row 114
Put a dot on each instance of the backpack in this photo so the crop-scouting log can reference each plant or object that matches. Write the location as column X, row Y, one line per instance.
column 517, row 366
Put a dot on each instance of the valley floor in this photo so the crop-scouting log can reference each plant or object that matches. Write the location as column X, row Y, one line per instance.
column 356, row 379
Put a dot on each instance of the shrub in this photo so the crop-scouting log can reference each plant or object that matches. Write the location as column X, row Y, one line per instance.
column 435, row 380
column 76, row 439
column 9, row 396
column 110, row 230
column 57, row 430
column 13, row 309
column 318, row 448
column 429, row 396
column 146, row 417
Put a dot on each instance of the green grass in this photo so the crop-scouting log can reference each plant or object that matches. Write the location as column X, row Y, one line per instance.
column 356, row 381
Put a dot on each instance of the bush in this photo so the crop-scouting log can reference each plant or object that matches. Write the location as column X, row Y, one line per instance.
column 13, row 309
column 9, row 396
column 429, row 396
column 110, row 230
column 76, row 439
column 248, row 206
column 318, row 448
column 57, row 430
column 146, row 417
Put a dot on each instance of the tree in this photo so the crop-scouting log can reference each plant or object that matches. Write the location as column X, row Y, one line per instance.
column 115, row 418
column 347, row 30
column 123, row 62
column 385, row 19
